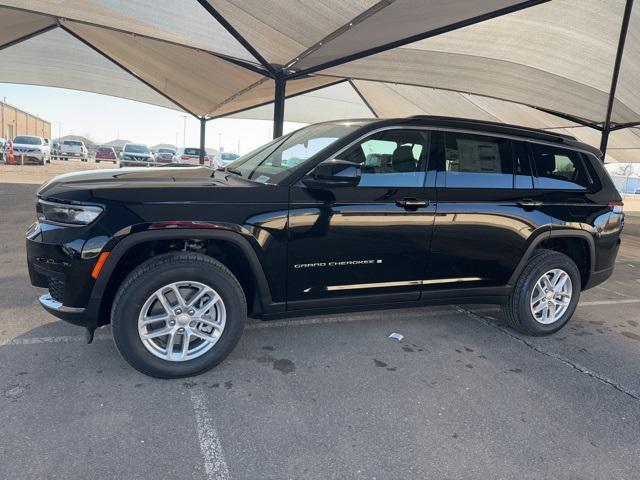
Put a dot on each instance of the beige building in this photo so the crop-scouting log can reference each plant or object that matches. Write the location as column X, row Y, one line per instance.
column 14, row 121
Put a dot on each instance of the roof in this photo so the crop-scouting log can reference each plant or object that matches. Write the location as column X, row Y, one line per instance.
column 481, row 126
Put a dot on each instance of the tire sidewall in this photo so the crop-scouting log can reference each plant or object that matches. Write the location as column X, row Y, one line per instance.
column 527, row 285
column 127, row 310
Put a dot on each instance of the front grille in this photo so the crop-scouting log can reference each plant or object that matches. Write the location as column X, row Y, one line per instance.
column 56, row 289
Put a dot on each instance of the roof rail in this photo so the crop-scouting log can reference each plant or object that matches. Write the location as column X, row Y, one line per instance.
column 530, row 130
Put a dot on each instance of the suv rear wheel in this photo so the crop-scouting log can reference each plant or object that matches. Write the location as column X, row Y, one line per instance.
column 178, row 314
column 546, row 294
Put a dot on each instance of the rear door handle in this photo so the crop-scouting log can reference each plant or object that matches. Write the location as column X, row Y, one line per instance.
column 412, row 203
column 527, row 203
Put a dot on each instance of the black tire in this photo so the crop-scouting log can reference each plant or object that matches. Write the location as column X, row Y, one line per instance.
column 154, row 274
column 517, row 308
column 97, row 161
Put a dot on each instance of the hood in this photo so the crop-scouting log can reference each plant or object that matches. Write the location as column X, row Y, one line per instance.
column 155, row 184
column 136, row 155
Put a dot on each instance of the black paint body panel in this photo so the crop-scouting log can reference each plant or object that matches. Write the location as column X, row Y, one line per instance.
column 317, row 248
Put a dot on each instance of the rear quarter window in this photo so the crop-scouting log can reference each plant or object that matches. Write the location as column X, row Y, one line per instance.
column 560, row 168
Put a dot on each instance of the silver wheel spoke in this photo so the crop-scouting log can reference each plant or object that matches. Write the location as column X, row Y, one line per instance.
column 176, row 292
column 156, row 333
column 164, row 302
column 154, row 319
column 541, row 306
column 205, row 336
column 198, row 296
column 207, row 306
column 170, row 344
column 185, row 343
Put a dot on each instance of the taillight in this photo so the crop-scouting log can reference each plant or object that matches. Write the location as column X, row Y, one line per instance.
column 184, row 157
column 616, row 207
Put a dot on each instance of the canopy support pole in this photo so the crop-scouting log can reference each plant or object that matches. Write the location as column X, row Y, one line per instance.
column 606, row 129
column 278, row 107
column 203, row 130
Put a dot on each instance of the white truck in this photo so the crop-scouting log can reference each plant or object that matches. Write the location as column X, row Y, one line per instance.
column 73, row 149
column 32, row 149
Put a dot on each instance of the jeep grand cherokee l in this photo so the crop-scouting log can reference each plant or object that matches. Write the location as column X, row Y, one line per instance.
column 339, row 215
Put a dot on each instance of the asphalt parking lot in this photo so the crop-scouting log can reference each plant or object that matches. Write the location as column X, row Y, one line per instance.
column 332, row 397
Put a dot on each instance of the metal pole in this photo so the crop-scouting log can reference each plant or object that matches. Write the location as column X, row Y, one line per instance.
column 184, row 131
column 203, row 128
column 278, row 107
column 614, row 78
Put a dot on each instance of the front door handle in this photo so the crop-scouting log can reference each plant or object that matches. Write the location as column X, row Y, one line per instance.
column 412, row 203
column 528, row 204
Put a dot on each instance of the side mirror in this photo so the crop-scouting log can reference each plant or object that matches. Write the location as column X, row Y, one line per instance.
column 334, row 173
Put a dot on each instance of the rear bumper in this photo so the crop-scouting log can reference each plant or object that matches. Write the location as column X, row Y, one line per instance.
column 596, row 278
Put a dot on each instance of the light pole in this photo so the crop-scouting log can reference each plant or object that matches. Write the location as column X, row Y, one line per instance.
column 184, row 130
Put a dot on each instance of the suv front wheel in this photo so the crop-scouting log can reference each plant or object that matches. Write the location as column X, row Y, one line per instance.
column 178, row 314
column 546, row 294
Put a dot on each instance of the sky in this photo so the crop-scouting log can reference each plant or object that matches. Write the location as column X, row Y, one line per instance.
column 102, row 118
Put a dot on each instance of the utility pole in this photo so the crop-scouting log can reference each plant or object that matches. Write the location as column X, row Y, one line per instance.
column 219, row 142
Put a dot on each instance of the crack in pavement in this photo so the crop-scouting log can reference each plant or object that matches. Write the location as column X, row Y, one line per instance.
column 597, row 376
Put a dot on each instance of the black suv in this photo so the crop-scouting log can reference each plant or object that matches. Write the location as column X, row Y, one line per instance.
column 339, row 215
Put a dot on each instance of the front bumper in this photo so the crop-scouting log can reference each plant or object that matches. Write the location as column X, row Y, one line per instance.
column 74, row 315
column 55, row 260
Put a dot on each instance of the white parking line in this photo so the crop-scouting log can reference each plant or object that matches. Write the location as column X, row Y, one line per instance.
column 215, row 465
column 60, row 339
column 609, row 302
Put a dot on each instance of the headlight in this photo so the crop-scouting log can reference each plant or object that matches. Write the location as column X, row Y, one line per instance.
column 67, row 214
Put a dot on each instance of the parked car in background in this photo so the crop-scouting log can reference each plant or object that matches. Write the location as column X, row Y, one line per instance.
column 223, row 159
column 164, row 155
column 106, row 154
column 35, row 149
column 191, row 156
column 136, row 155
column 73, row 149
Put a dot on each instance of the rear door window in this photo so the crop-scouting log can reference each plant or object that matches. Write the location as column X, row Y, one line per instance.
column 559, row 168
column 477, row 161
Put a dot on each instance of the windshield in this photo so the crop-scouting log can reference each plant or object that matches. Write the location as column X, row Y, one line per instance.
column 73, row 143
column 136, row 149
column 192, row 151
column 28, row 140
column 228, row 156
column 273, row 162
column 165, row 150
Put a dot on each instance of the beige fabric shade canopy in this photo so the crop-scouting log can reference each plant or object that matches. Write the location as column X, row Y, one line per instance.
column 566, row 65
